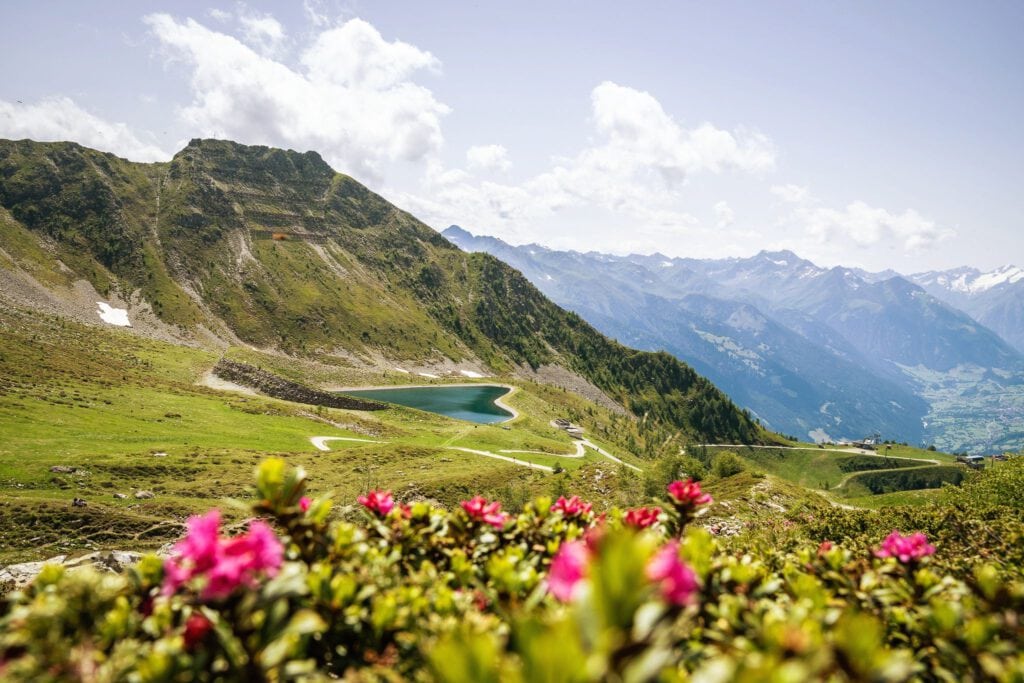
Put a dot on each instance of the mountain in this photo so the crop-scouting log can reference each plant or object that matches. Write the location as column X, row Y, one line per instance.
column 994, row 298
column 821, row 352
column 229, row 244
column 891, row 321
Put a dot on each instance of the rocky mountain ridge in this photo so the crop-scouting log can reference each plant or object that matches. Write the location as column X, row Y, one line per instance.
column 247, row 245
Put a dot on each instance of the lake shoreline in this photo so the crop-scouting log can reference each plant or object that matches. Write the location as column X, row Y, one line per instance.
column 498, row 401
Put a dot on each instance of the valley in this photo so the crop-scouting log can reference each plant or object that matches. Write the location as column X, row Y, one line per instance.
column 723, row 380
column 817, row 353
column 117, row 425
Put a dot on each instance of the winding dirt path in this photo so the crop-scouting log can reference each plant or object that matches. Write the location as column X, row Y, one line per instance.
column 587, row 442
column 514, row 461
column 320, row 442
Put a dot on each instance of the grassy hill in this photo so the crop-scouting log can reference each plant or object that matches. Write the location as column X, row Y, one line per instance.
column 117, row 414
column 898, row 475
column 350, row 275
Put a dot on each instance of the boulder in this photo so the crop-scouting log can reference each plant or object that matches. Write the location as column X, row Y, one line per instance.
column 111, row 561
column 22, row 574
column 143, row 494
column 62, row 469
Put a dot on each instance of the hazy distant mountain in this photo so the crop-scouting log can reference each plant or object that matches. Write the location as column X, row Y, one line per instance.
column 890, row 321
column 810, row 350
column 995, row 298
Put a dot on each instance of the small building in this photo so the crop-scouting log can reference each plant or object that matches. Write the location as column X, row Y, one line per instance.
column 868, row 443
column 572, row 430
column 973, row 461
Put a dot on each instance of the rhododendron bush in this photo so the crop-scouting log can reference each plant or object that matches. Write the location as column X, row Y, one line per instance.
column 554, row 593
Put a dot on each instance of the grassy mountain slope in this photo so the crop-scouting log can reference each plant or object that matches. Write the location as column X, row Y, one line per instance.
column 116, row 413
column 355, row 274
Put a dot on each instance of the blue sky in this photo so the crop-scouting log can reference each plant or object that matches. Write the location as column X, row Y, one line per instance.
column 882, row 135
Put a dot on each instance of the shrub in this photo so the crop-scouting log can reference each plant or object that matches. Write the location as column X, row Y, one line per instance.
column 553, row 593
column 1000, row 483
column 670, row 468
column 909, row 479
column 726, row 464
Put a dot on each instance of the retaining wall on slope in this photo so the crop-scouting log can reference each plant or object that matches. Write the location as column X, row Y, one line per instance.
column 278, row 387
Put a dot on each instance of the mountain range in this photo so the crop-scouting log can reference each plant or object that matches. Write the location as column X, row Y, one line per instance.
column 825, row 353
column 229, row 244
column 994, row 298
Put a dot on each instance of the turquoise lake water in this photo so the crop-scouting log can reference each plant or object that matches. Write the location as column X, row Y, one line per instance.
column 473, row 403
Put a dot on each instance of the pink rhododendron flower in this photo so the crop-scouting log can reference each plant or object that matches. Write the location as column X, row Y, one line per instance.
column 905, row 548
column 380, row 502
column 641, row 518
column 202, row 543
column 568, row 568
column 688, row 493
column 304, row 503
column 196, row 628
column 224, row 563
column 676, row 580
column 490, row 513
column 573, row 507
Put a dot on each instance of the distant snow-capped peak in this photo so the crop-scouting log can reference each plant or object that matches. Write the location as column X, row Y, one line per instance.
column 971, row 280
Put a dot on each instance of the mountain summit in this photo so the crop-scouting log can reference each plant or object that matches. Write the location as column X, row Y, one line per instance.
column 231, row 243
column 994, row 298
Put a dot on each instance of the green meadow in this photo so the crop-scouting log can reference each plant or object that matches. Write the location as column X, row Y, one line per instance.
column 128, row 415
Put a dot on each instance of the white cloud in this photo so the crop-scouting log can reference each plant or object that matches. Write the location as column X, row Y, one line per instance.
column 263, row 32
column 353, row 100
column 867, row 226
column 60, row 118
column 488, row 158
column 795, row 194
column 631, row 174
column 724, row 215
column 639, row 131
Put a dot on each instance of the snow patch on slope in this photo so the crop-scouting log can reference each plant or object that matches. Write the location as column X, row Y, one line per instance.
column 113, row 316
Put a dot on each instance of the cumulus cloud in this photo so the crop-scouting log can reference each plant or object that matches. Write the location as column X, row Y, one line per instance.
column 352, row 98
column 260, row 31
column 634, row 169
column 488, row 158
column 263, row 32
column 867, row 226
column 724, row 215
column 60, row 118
column 640, row 132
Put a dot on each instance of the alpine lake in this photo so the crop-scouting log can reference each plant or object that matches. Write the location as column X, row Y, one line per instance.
column 473, row 403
